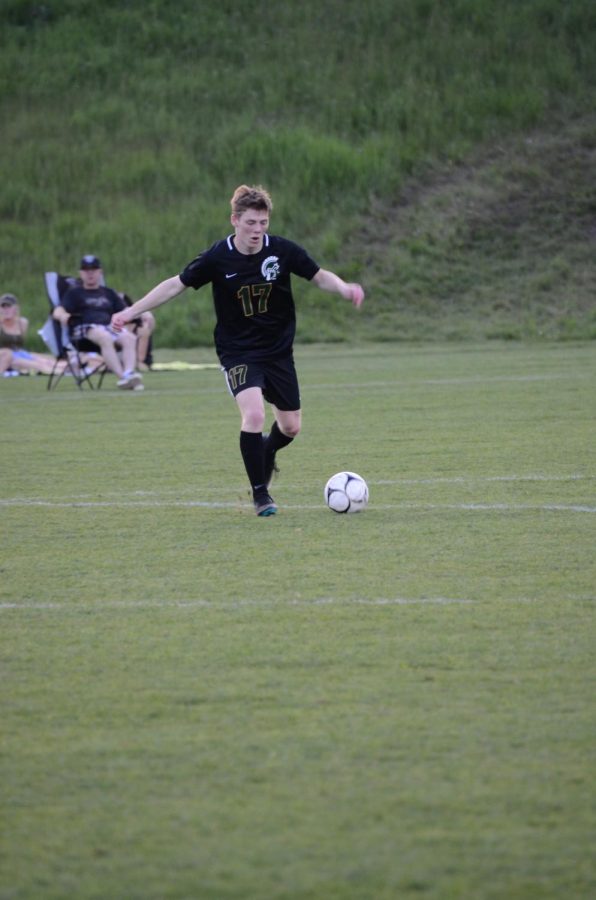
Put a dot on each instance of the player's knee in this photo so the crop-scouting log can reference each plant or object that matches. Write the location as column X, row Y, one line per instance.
column 253, row 420
column 291, row 429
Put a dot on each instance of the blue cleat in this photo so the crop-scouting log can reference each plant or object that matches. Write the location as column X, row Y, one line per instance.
column 264, row 504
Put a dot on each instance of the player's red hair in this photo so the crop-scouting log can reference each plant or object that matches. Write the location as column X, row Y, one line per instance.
column 246, row 197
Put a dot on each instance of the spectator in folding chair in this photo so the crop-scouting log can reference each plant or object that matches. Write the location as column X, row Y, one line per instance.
column 91, row 305
column 14, row 359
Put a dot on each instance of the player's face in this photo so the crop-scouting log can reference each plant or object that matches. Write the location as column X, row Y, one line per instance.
column 91, row 278
column 250, row 226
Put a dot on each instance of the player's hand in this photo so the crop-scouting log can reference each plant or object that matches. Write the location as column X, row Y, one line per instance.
column 356, row 294
column 119, row 320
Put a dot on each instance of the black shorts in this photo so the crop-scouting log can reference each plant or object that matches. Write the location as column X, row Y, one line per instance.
column 277, row 379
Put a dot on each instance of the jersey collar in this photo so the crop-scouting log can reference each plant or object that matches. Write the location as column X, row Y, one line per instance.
column 231, row 245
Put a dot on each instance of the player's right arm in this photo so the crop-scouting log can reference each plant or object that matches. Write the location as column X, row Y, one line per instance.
column 161, row 293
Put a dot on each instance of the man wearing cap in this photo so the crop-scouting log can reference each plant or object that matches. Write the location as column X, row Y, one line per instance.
column 88, row 310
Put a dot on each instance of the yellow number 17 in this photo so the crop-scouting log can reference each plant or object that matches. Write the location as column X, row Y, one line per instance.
column 250, row 294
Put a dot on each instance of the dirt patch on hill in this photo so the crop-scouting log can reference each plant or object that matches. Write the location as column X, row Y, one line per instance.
column 503, row 244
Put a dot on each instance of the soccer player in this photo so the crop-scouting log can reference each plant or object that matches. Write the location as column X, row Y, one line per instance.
column 249, row 272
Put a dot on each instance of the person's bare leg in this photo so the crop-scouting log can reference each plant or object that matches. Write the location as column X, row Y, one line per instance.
column 128, row 347
column 5, row 359
column 144, row 333
column 104, row 341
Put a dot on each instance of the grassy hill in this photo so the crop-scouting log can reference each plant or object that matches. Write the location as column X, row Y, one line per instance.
column 441, row 153
column 502, row 245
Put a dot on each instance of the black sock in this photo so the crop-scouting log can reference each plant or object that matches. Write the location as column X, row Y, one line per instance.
column 251, row 448
column 276, row 439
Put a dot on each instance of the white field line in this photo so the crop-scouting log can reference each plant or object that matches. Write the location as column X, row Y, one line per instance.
column 206, row 504
column 236, row 604
column 160, row 499
column 263, row 603
column 161, row 495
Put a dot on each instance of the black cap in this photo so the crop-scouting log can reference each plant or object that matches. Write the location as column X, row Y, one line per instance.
column 90, row 262
column 8, row 300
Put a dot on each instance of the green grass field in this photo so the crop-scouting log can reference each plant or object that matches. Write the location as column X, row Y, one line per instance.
column 400, row 704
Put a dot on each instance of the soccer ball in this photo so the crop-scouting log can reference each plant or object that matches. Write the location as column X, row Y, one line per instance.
column 346, row 492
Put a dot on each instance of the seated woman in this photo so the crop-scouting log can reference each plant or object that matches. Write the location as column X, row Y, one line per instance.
column 14, row 359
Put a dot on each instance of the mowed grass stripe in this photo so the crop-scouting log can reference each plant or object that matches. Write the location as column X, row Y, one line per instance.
column 456, row 479
column 109, row 389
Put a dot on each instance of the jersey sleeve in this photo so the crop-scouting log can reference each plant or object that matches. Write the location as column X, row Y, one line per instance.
column 198, row 272
column 301, row 263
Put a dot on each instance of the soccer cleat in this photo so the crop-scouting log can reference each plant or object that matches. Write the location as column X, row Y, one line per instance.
column 270, row 464
column 264, row 504
column 130, row 381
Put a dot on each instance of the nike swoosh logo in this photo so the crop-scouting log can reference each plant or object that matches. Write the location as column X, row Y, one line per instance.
column 232, row 276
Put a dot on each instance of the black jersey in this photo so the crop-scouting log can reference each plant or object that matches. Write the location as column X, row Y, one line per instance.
column 95, row 306
column 252, row 294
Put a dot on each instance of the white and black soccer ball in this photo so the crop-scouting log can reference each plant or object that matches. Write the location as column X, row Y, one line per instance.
column 346, row 492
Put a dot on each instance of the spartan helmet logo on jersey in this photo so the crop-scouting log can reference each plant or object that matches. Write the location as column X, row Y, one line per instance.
column 270, row 268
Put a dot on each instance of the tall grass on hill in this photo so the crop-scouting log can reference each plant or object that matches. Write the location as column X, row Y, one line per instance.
column 126, row 128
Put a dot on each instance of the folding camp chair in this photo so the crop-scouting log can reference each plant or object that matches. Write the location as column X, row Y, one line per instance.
column 59, row 342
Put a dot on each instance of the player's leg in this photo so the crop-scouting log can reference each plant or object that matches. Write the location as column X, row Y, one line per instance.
column 283, row 431
column 245, row 383
column 252, row 411
column 283, row 392
column 288, row 423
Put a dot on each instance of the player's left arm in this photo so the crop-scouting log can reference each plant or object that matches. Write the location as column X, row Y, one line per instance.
column 329, row 281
